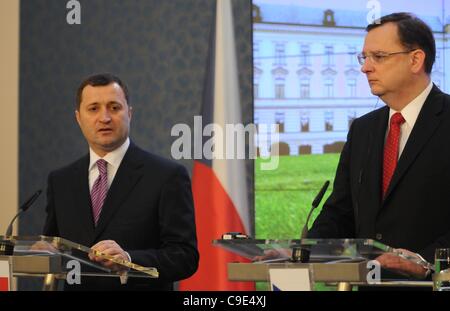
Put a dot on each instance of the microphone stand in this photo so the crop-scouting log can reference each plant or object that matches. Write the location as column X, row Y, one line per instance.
column 302, row 252
column 6, row 245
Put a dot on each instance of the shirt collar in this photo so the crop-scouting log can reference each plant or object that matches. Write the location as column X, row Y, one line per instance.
column 113, row 158
column 412, row 110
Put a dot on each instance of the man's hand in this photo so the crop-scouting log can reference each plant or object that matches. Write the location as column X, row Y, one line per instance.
column 268, row 254
column 44, row 246
column 110, row 248
column 397, row 262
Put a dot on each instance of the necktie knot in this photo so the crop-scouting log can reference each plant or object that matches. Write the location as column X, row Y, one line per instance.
column 397, row 119
column 101, row 165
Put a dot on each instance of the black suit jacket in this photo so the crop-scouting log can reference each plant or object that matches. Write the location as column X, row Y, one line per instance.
column 415, row 213
column 148, row 211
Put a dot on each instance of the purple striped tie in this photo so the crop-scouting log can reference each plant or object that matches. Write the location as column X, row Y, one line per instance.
column 99, row 190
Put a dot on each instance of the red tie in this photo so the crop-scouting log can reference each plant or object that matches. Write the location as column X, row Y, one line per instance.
column 391, row 149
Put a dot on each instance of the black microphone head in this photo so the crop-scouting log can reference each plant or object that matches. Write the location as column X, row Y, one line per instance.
column 30, row 201
column 320, row 195
column 317, row 199
column 22, row 209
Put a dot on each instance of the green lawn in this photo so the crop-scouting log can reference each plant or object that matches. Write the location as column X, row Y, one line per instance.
column 283, row 196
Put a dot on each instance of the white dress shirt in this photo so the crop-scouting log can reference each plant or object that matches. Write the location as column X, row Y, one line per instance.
column 113, row 159
column 410, row 114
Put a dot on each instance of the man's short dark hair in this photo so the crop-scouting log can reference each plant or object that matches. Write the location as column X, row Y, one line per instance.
column 413, row 34
column 101, row 79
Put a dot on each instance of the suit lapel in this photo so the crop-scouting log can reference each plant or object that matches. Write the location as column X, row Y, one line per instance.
column 126, row 178
column 376, row 142
column 425, row 126
column 82, row 201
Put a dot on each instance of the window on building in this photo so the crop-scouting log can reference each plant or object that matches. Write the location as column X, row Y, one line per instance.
column 329, row 87
column 279, row 88
column 351, row 86
column 304, row 123
column 437, row 63
column 304, row 55
column 329, row 121
column 255, row 90
column 352, row 56
column 329, row 61
column 279, row 119
column 280, row 54
column 304, row 88
column 256, row 56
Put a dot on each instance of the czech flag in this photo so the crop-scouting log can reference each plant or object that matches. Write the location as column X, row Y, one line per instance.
column 219, row 185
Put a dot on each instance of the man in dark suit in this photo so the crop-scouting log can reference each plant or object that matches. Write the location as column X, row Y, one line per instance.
column 121, row 200
column 393, row 177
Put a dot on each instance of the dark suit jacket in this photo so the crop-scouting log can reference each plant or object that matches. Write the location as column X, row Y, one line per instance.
column 415, row 213
column 148, row 211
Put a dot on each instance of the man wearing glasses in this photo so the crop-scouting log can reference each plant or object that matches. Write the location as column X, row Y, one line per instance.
column 393, row 179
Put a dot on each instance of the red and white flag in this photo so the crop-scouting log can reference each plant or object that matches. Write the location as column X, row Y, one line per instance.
column 219, row 185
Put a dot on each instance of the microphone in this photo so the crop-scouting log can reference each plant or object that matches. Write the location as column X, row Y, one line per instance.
column 6, row 246
column 301, row 253
column 22, row 209
column 315, row 203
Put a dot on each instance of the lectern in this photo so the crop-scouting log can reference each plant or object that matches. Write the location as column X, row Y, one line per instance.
column 54, row 259
column 346, row 262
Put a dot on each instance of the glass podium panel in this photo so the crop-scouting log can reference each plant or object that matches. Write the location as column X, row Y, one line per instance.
column 344, row 262
column 320, row 250
column 42, row 255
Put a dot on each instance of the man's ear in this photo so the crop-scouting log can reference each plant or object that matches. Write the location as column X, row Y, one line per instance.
column 417, row 60
column 130, row 112
column 77, row 116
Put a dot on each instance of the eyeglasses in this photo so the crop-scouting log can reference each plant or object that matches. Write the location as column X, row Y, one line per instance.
column 378, row 57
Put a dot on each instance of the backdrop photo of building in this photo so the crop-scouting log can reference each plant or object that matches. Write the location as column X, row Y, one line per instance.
column 307, row 78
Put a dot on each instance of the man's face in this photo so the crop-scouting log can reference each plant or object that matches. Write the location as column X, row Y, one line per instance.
column 386, row 75
column 104, row 117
